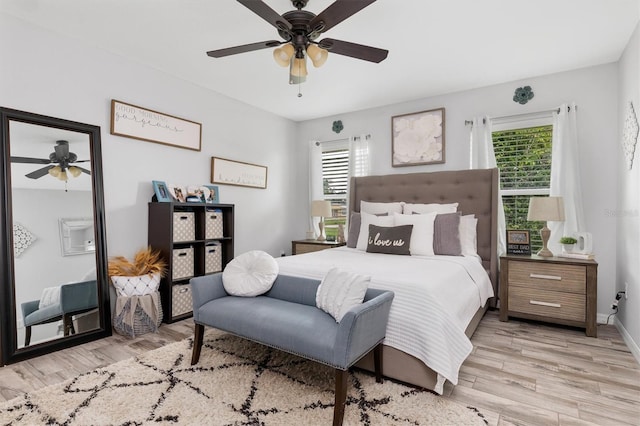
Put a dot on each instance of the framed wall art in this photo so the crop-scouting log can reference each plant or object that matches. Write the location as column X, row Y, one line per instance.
column 152, row 126
column 418, row 138
column 230, row 172
column 518, row 242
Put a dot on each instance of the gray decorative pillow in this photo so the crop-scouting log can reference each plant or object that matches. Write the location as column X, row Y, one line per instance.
column 389, row 239
column 354, row 228
column 446, row 234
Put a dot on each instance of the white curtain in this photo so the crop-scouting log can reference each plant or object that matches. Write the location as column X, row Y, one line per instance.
column 483, row 157
column 565, row 175
column 359, row 164
column 315, row 179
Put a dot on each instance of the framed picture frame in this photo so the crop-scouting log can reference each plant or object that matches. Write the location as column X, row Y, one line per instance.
column 238, row 173
column 178, row 193
column 213, row 197
column 418, row 138
column 152, row 126
column 162, row 192
column 518, row 242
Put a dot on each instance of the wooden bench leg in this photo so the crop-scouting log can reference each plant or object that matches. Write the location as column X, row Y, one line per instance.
column 377, row 362
column 198, row 334
column 342, row 377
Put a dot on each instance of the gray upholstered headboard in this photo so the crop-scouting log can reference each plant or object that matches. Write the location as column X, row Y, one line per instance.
column 476, row 191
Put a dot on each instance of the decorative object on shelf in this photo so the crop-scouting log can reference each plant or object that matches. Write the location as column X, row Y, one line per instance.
column 630, row 134
column 545, row 209
column 214, row 194
column 152, row 126
column 321, row 209
column 178, row 193
column 238, row 173
column 418, row 138
column 584, row 244
column 518, row 242
column 22, row 239
column 341, row 238
column 568, row 243
column 161, row 191
column 337, row 126
column 523, row 95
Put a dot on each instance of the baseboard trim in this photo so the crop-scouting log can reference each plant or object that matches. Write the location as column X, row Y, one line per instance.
column 633, row 346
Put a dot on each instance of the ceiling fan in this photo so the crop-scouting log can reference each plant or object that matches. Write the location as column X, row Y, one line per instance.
column 63, row 160
column 299, row 29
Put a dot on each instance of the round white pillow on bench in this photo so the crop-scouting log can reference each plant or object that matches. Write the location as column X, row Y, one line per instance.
column 250, row 274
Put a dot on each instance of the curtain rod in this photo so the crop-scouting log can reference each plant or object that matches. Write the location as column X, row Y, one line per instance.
column 556, row 110
column 318, row 143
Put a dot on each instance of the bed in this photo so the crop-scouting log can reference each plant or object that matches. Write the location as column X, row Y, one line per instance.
column 439, row 300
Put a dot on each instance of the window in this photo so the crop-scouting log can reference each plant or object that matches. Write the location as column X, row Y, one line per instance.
column 335, row 180
column 523, row 155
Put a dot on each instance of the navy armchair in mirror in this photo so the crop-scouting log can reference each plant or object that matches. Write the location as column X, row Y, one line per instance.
column 60, row 303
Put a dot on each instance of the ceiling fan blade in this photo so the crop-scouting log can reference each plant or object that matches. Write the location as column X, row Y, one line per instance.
column 261, row 9
column 83, row 170
column 336, row 13
column 30, row 160
column 244, row 48
column 39, row 173
column 81, row 161
column 359, row 51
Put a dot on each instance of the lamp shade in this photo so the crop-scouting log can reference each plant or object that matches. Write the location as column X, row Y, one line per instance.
column 546, row 208
column 321, row 208
column 317, row 55
column 75, row 172
column 282, row 55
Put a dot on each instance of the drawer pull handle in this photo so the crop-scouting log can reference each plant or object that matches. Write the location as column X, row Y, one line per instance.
column 183, row 290
column 551, row 305
column 545, row 277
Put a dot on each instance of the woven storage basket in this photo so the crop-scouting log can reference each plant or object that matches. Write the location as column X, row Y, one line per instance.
column 142, row 323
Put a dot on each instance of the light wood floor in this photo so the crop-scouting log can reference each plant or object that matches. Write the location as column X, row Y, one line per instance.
column 520, row 373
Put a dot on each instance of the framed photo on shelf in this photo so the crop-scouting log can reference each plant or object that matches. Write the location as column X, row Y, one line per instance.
column 213, row 195
column 162, row 192
column 518, row 242
column 418, row 138
column 178, row 193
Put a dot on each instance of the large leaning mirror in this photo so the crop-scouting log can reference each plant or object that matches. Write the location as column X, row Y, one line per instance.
column 53, row 255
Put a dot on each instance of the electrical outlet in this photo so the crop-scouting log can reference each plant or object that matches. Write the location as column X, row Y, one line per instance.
column 626, row 290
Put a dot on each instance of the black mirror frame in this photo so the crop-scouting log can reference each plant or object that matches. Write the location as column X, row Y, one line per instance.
column 9, row 352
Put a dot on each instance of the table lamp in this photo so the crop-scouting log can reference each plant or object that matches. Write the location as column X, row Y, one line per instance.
column 545, row 209
column 322, row 209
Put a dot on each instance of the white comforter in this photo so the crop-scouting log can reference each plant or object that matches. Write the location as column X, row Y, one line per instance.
column 435, row 299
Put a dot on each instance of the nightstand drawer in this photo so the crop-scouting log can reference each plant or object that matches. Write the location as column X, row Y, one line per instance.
column 548, row 277
column 546, row 303
column 308, row 248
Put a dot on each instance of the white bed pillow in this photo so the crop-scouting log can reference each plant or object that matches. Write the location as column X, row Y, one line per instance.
column 422, row 234
column 367, row 219
column 250, row 274
column 377, row 208
column 468, row 235
column 409, row 208
column 341, row 290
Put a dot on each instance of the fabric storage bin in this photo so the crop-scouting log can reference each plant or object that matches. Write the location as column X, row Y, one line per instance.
column 212, row 258
column 181, row 302
column 182, row 265
column 184, row 226
column 213, row 224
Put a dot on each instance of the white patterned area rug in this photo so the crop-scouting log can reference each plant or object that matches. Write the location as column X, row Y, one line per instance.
column 236, row 382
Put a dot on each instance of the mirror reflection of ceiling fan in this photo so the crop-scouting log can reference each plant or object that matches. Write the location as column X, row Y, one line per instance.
column 63, row 163
column 299, row 29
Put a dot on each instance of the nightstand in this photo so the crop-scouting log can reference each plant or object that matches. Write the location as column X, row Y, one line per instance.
column 309, row 246
column 556, row 289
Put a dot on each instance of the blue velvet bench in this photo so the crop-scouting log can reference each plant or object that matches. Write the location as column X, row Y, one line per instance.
column 286, row 318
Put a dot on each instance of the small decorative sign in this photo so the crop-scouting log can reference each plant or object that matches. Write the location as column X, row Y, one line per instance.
column 152, row 126
column 230, row 172
column 518, row 242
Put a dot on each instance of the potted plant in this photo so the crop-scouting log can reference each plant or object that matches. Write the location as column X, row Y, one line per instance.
column 568, row 243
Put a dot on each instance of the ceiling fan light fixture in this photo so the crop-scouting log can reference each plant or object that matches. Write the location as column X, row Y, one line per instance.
column 55, row 171
column 282, row 55
column 298, row 67
column 317, row 55
column 63, row 176
column 75, row 172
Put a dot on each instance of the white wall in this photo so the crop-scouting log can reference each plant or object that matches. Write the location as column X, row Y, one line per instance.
column 593, row 89
column 627, row 213
column 54, row 75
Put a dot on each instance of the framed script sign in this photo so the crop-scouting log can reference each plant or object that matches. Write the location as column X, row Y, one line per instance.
column 230, row 172
column 152, row 126
column 518, row 242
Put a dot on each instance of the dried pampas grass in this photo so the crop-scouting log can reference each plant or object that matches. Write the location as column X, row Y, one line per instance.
column 146, row 261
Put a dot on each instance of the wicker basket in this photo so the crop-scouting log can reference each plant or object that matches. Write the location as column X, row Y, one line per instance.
column 142, row 322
